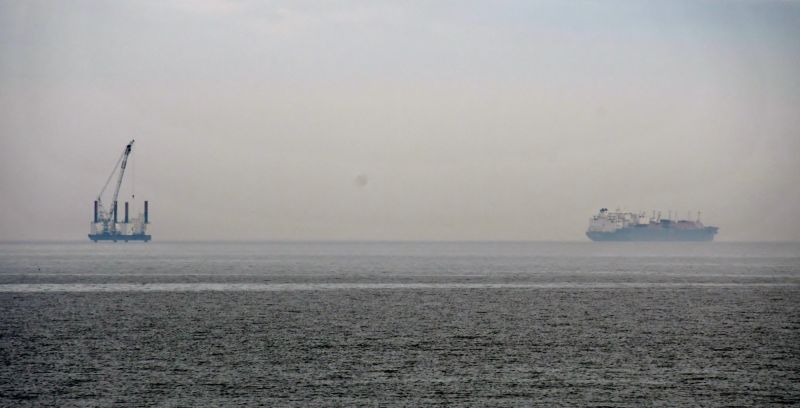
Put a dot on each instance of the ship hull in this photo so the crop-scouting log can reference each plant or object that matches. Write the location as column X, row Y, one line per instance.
column 651, row 234
column 119, row 237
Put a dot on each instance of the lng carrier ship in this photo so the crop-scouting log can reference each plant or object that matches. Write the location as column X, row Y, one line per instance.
column 628, row 226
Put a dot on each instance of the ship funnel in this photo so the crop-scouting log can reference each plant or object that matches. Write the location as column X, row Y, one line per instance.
column 126, row 212
column 115, row 212
column 95, row 211
column 146, row 213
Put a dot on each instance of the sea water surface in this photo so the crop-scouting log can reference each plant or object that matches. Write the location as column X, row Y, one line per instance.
column 399, row 323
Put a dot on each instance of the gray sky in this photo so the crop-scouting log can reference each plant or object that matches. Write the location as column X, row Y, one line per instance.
column 401, row 120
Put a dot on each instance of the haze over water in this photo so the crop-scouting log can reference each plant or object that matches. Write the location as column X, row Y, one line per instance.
column 399, row 323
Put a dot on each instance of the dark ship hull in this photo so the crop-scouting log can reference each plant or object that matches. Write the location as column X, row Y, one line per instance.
column 648, row 233
column 119, row 237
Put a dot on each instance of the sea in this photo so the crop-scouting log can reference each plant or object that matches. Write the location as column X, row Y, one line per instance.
column 305, row 324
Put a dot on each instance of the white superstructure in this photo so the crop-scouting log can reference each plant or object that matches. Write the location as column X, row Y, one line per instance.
column 607, row 221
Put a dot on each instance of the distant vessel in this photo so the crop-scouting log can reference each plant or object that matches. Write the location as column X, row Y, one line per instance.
column 106, row 225
column 628, row 226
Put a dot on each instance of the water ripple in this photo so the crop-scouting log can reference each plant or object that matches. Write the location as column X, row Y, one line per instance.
column 286, row 287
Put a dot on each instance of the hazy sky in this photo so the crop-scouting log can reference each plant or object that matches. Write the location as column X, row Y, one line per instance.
column 402, row 119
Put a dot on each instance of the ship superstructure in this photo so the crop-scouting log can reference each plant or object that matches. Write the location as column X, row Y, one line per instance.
column 628, row 226
column 106, row 225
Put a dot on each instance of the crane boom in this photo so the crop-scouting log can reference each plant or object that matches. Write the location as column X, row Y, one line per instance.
column 125, row 155
column 106, row 215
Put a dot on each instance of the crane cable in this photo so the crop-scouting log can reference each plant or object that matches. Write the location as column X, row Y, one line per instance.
column 133, row 186
column 110, row 176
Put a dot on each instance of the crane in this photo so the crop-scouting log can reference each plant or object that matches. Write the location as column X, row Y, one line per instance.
column 105, row 226
column 104, row 215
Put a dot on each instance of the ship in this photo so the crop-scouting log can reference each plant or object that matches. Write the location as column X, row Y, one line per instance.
column 106, row 225
column 629, row 226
